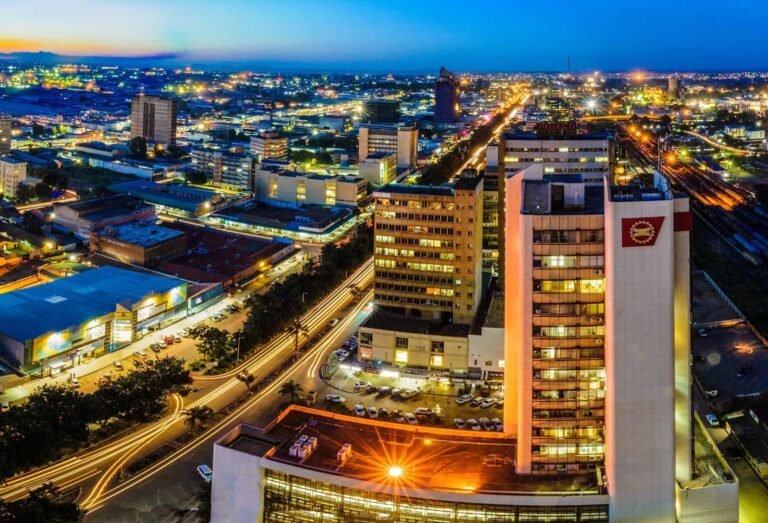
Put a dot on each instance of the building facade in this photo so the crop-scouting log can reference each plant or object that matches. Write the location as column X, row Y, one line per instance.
column 12, row 173
column 81, row 218
column 401, row 140
column 6, row 123
column 597, row 335
column 378, row 110
column 290, row 188
column 428, row 249
column 139, row 243
column 269, row 145
column 446, row 97
column 153, row 118
column 225, row 169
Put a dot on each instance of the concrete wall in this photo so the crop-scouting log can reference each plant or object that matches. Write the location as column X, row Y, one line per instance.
column 419, row 349
column 237, row 489
column 487, row 347
column 639, row 358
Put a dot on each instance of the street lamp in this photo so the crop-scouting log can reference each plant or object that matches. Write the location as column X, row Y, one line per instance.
column 395, row 472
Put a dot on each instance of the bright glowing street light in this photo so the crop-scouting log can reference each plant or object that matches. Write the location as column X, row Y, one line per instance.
column 395, row 472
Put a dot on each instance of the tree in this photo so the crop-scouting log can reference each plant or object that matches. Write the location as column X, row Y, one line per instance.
column 198, row 414
column 138, row 147
column 24, row 193
column 42, row 191
column 296, row 329
column 42, row 506
column 214, row 344
column 247, row 378
column 196, row 177
column 292, row 389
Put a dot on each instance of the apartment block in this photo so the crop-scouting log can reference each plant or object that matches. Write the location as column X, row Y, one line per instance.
column 154, row 119
column 12, row 173
column 401, row 140
column 269, row 146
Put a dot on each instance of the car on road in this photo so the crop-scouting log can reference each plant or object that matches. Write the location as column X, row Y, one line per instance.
column 205, row 472
column 473, row 424
column 744, row 371
column 335, row 398
column 359, row 410
column 713, row 420
column 702, row 332
column 74, row 381
column 118, row 365
column 460, row 424
column 411, row 419
column 5, row 406
column 466, row 398
column 487, row 402
column 333, row 322
column 140, row 354
column 372, row 412
column 498, row 424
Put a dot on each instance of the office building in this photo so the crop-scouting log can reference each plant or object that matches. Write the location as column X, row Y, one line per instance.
column 446, row 97
column 170, row 198
column 269, row 145
column 279, row 186
column 673, row 88
column 597, row 299
column 5, row 133
column 139, row 243
column 12, row 173
column 50, row 327
column 81, row 218
column 561, row 151
column 428, row 249
column 379, row 168
column 154, row 119
column 401, row 140
column 224, row 168
column 377, row 110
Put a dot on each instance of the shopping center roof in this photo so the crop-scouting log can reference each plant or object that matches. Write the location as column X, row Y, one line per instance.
column 52, row 307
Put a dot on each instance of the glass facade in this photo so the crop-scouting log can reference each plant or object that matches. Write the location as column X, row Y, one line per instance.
column 290, row 499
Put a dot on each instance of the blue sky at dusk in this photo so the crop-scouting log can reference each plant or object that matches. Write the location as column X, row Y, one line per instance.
column 407, row 35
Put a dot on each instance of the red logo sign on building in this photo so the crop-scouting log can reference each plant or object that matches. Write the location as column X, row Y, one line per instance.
column 640, row 232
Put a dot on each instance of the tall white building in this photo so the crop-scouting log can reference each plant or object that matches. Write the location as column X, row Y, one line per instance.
column 12, row 173
column 401, row 140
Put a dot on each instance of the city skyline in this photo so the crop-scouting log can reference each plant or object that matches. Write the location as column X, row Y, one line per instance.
column 345, row 35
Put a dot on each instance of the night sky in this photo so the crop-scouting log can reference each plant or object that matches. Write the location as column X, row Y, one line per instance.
column 402, row 35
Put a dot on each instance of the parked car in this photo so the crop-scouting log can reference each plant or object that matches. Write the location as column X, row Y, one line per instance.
column 498, row 424
column 397, row 416
column 372, row 412
column 713, row 420
column 335, row 398
column 359, row 410
column 409, row 393
column 370, row 389
column 475, row 402
column 177, row 338
column 460, row 424
column 118, row 365
column 424, row 411
column 362, row 385
column 205, row 472
column 74, row 381
column 396, row 393
column 155, row 347
column 168, row 340
column 466, row 398
column 384, row 390
column 5, row 406
column 411, row 419
column 486, row 424
column 383, row 413
column 744, row 371
column 141, row 354
column 487, row 402
column 473, row 424
column 161, row 344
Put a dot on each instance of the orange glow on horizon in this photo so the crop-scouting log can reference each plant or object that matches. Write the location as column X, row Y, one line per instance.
column 70, row 47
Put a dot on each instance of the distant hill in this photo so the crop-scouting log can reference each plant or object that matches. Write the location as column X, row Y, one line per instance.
column 48, row 58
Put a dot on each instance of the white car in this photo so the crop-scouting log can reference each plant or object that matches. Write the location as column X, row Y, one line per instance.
column 498, row 424
column 473, row 424
column 424, row 411
column 359, row 410
column 712, row 419
column 335, row 398
column 118, row 365
column 460, row 424
column 362, row 385
column 5, row 406
column 205, row 472
column 74, row 381
column 373, row 413
column 411, row 419
column 466, row 398
column 141, row 354
column 487, row 402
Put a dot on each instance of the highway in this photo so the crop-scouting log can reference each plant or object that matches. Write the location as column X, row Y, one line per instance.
column 713, row 143
column 94, row 471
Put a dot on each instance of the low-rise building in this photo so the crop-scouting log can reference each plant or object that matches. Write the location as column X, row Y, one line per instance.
column 291, row 188
column 81, row 218
column 139, row 243
column 51, row 327
column 379, row 168
column 171, row 198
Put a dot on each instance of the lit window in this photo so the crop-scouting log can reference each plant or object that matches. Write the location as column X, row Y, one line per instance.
column 437, row 360
column 592, row 286
column 401, row 356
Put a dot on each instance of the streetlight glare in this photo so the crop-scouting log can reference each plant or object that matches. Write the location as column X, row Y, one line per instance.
column 395, row 472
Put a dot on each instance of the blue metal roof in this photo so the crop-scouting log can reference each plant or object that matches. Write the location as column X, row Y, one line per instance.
column 68, row 302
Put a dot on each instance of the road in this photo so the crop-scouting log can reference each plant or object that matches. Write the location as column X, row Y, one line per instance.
column 93, row 471
column 713, row 143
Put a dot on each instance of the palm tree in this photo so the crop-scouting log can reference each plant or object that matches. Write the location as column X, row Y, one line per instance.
column 291, row 388
column 199, row 414
column 296, row 329
column 247, row 378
